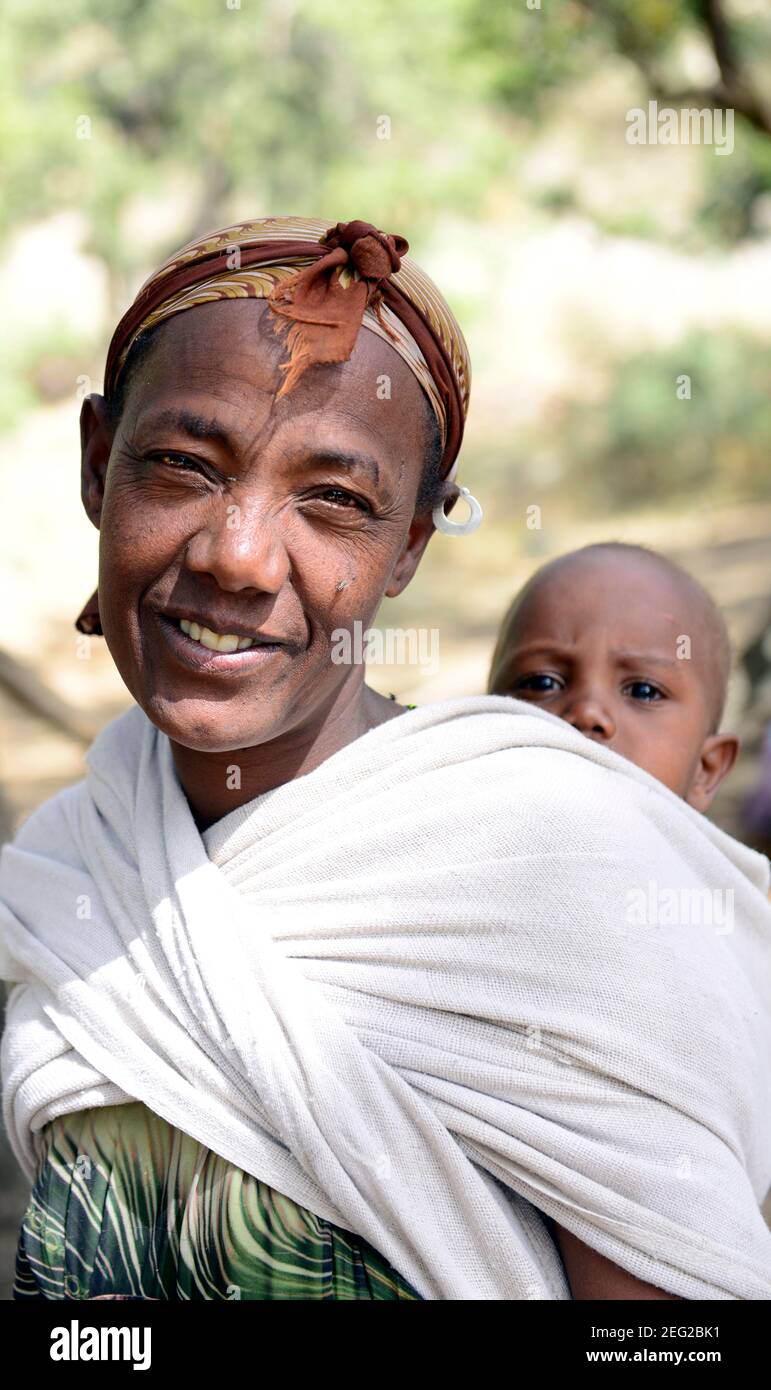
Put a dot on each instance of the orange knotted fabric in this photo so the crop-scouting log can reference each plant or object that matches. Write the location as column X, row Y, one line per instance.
column 326, row 305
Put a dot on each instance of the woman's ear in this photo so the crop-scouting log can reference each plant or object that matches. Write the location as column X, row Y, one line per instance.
column 717, row 757
column 418, row 536
column 96, row 436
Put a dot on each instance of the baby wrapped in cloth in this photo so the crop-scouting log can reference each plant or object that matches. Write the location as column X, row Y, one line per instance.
column 415, row 991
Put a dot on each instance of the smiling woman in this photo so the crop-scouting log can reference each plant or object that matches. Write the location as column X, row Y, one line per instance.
column 315, row 996
column 219, row 450
column 221, row 511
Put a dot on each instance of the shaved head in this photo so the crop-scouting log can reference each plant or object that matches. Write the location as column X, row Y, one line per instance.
column 704, row 623
column 628, row 648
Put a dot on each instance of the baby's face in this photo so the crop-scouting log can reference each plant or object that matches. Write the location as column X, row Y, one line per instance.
column 602, row 641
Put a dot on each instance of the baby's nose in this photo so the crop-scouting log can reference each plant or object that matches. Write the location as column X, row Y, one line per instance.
column 592, row 717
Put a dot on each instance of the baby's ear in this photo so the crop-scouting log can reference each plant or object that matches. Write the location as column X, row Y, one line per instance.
column 718, row 755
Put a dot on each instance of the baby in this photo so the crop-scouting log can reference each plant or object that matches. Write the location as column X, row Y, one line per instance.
column 630, row 650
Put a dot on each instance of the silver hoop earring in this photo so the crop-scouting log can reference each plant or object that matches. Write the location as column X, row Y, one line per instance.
column 458, row 528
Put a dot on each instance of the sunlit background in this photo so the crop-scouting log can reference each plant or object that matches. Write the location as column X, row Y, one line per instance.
column 616, row 296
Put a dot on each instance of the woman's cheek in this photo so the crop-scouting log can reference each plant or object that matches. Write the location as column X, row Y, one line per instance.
column 136, row 536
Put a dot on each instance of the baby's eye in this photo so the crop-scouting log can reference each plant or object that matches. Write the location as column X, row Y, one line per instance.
column 644, row 690
column 539, row 681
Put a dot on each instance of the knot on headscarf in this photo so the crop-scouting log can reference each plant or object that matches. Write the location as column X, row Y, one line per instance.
column 375, row 254
column 325, row 301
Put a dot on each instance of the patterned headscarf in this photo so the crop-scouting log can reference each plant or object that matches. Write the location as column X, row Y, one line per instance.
column 323, row 284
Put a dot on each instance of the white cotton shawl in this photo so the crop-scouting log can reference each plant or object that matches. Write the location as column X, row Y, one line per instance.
column 428, row 990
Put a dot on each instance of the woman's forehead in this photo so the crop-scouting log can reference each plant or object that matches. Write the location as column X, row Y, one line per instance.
column 216, row 378
column 230, row 351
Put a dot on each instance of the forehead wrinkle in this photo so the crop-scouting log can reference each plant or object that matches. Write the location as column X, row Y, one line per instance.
column 182, row 364
column 216, row 418
column 332, row 430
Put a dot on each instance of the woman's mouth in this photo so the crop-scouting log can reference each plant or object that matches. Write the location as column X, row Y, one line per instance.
column 218, row 641
column 203, row 649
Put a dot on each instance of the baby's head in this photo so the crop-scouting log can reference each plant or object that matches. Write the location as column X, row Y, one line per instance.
column 630, row 650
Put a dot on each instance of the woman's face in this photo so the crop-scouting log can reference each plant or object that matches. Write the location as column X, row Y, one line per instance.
column 278, row 521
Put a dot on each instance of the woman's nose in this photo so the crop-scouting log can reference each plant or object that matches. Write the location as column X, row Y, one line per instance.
column 591, row 715
column 242, row 549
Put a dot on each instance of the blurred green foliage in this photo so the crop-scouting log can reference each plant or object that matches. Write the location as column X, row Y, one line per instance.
column 649, row 441
column 193, row 110
column 279, row 100
column 39, row 366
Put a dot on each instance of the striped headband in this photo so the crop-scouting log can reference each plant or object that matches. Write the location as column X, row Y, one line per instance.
column 323, row 284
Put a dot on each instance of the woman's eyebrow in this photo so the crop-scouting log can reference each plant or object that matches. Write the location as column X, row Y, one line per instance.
column 188, row 423
column 348, row 458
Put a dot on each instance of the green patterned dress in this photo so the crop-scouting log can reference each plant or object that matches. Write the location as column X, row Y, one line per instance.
column 125, row 1204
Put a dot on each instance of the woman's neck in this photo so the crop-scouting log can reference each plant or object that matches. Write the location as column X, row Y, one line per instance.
column 217, row 783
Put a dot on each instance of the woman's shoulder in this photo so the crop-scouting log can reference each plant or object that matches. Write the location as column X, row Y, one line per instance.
column 484, row 724
column 51, row 829
column 538, row 783
column 49, row 823
column 500, row 743
column 45, row 845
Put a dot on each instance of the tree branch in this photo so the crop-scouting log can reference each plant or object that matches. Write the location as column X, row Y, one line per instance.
column 734, row 89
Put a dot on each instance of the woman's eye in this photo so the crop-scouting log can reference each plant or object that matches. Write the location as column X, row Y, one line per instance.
column 174, row 460
column 340, row 498
column 644, row 690
column 539, row 681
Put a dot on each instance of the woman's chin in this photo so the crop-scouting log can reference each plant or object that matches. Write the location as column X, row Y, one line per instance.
column 207, row 727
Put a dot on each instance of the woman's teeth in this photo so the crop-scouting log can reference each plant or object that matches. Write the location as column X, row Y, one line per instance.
column 216, row 641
